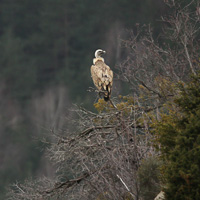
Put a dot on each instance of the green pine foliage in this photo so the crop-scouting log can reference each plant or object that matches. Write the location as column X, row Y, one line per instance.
column 149, row 178
column 179, row 139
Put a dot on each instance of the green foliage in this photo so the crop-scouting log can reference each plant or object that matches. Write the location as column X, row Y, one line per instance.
column 125, row 105
column 179, row 138
column 149, row 178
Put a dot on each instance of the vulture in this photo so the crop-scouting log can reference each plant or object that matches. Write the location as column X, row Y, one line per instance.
column 102, row 75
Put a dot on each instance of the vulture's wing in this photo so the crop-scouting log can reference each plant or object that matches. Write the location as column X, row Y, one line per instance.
column 96, row 76
column 108, row 78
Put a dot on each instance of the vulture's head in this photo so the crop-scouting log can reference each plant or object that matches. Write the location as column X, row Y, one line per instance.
column 99, row 53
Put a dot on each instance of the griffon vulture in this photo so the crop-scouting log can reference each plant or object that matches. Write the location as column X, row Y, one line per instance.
column 102, row 75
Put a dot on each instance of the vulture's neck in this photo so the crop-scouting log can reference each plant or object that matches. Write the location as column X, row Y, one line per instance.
column 97, row 59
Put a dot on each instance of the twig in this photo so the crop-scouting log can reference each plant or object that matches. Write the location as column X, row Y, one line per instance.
column 188, row 57
column 114, row 106
column 125, row 186
column 84, row 133
column 17, row 186
column 68, row 183
column 88, row 130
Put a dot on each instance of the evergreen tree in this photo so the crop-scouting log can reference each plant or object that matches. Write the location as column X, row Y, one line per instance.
column 179, row 138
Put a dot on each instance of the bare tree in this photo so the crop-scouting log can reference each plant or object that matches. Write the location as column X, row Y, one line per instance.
column 103, row 158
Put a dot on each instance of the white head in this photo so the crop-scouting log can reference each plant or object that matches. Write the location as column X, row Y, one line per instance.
column 99, row 53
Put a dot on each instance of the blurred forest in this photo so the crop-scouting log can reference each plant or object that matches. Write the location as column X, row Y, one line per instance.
column 46, row 50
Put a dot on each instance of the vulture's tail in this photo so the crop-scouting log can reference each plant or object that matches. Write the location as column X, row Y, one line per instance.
column 107, row 94
column 106, row 98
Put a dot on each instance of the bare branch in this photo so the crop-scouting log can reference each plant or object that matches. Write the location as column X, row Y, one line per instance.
column 125, row 185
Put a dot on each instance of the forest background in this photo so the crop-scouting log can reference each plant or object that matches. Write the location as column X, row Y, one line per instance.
column 46, row 50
